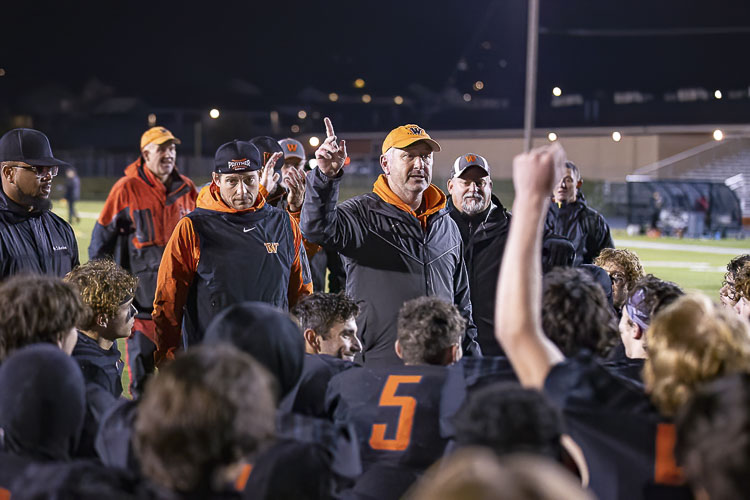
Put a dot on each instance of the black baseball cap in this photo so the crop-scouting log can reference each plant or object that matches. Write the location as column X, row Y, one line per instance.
column 29, row 146
column 267, row 147
column 237, row 156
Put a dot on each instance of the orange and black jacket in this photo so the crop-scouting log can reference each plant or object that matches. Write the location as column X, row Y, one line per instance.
column 219, row 256
column 136, row 222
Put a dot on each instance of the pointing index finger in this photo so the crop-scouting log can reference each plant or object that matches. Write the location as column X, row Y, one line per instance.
column 329, row 127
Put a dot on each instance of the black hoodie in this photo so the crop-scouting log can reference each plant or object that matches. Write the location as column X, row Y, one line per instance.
column 37, row 242
column 484, row 238
column 42, row 406
column 583, row 226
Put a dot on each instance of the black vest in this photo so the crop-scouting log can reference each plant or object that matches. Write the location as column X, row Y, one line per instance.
column 243, row 257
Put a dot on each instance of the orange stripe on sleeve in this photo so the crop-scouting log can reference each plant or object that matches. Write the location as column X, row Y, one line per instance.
column 241, row 481
column 297, row 286
column 310, row 247
column 179, row 264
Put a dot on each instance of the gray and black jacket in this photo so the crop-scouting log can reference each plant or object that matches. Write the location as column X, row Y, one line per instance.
column 389, row 259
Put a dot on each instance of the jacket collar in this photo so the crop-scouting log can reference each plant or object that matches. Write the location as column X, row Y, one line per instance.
column 433, row 199
column 209, row 198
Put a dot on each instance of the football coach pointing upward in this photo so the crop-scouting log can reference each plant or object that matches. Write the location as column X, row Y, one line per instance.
column 397, row 242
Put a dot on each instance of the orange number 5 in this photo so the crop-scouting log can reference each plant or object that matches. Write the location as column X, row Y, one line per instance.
column 405, row 417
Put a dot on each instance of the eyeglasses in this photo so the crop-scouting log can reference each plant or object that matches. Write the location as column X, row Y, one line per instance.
column 617, row 278
column 41, row 171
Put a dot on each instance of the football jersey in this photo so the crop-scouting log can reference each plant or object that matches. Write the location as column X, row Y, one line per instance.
column 395, row 411
column 628, row 446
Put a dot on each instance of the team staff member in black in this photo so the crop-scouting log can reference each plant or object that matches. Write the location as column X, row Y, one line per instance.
column 570, row 216
column 397, row 243
column 483, row 223
column 232, row 248
column 32, row 238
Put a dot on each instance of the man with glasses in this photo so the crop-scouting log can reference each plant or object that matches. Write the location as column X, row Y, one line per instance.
column 32, row 238
column 397, row 242
column 483, row 223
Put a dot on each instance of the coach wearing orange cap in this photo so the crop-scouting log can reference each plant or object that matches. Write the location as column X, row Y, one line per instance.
column 397, row 242
column 140, row 213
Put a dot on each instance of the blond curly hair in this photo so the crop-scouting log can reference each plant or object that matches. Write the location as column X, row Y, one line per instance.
column 691, row 342
column 742, row 281
column 627, row 260
column 104, row 287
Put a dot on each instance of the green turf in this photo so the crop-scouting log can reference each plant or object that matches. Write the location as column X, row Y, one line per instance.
column 708, row 282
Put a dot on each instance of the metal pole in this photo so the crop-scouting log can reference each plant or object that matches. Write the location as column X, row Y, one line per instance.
column 531, row 60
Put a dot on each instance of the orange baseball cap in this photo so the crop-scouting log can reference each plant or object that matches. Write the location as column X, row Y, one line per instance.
column 157, row 135
column 406, row 135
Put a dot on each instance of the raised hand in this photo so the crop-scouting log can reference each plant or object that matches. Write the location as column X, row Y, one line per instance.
column 330, row 155
column 535, row 172
column 268, row 177
column 295, row 182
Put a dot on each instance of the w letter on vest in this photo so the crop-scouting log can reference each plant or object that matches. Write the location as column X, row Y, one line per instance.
column 271, row 247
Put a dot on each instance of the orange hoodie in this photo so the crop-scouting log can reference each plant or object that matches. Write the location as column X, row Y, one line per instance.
column 180, row 263
column 433, row 199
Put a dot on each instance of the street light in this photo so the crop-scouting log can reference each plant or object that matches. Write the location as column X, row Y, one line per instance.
column 302, row 114
column 398, row 100
column 718, row 135
column 557, row 91
column 616, row 136
column 359, row 83
column 333, row 97
column 366, row 98
column 717, row 94
column 314, row 141
column 214, row 113
column 552, row 137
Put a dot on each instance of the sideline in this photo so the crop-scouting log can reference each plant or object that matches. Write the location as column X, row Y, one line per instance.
column 680, row 247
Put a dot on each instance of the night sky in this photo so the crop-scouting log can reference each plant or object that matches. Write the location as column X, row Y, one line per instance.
column 247, row 55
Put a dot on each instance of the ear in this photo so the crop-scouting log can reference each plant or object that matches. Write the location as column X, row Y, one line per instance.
column 102, row 320
column 456, row 353
column 399, row 353
column 7, row 173
column 449, row 184
column 579, row 183
column 638, row 333
column 311, row 339
column 384, row 164
column 215, row 178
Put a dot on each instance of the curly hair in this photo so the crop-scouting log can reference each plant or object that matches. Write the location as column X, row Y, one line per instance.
column 427, row 326
column 211, row 407
column 742, row 280
column 627, row 260
column 510, row 419
column 36, row 309
column 575, row 312
column 691, row 342
column 104, row 287
column 320, row 311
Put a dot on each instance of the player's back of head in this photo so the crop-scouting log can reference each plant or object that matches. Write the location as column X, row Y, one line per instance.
column 36, row 309
column 212, row 408
column 509, row 419
column 575, row 312
column 428, row 329
column 267, row 334
column 713, row 438
column 477, row 474
column 42, row 403
column 691, row 342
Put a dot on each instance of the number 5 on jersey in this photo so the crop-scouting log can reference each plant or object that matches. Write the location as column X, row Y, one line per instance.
column 408, row 407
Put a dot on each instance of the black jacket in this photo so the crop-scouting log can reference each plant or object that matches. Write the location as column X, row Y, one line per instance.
column 34, row 242
column 389, row 259
column 484, row 238
column 582, row 225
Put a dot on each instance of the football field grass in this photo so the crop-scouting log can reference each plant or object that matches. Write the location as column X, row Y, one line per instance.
column 695, row 265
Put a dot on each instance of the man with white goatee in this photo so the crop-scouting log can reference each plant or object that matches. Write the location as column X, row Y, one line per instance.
column 483, row 223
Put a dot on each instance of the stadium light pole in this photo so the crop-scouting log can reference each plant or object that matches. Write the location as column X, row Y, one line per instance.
column 532, row 39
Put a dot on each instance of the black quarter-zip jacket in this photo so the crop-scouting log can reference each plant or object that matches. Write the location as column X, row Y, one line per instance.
column 484, row 236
